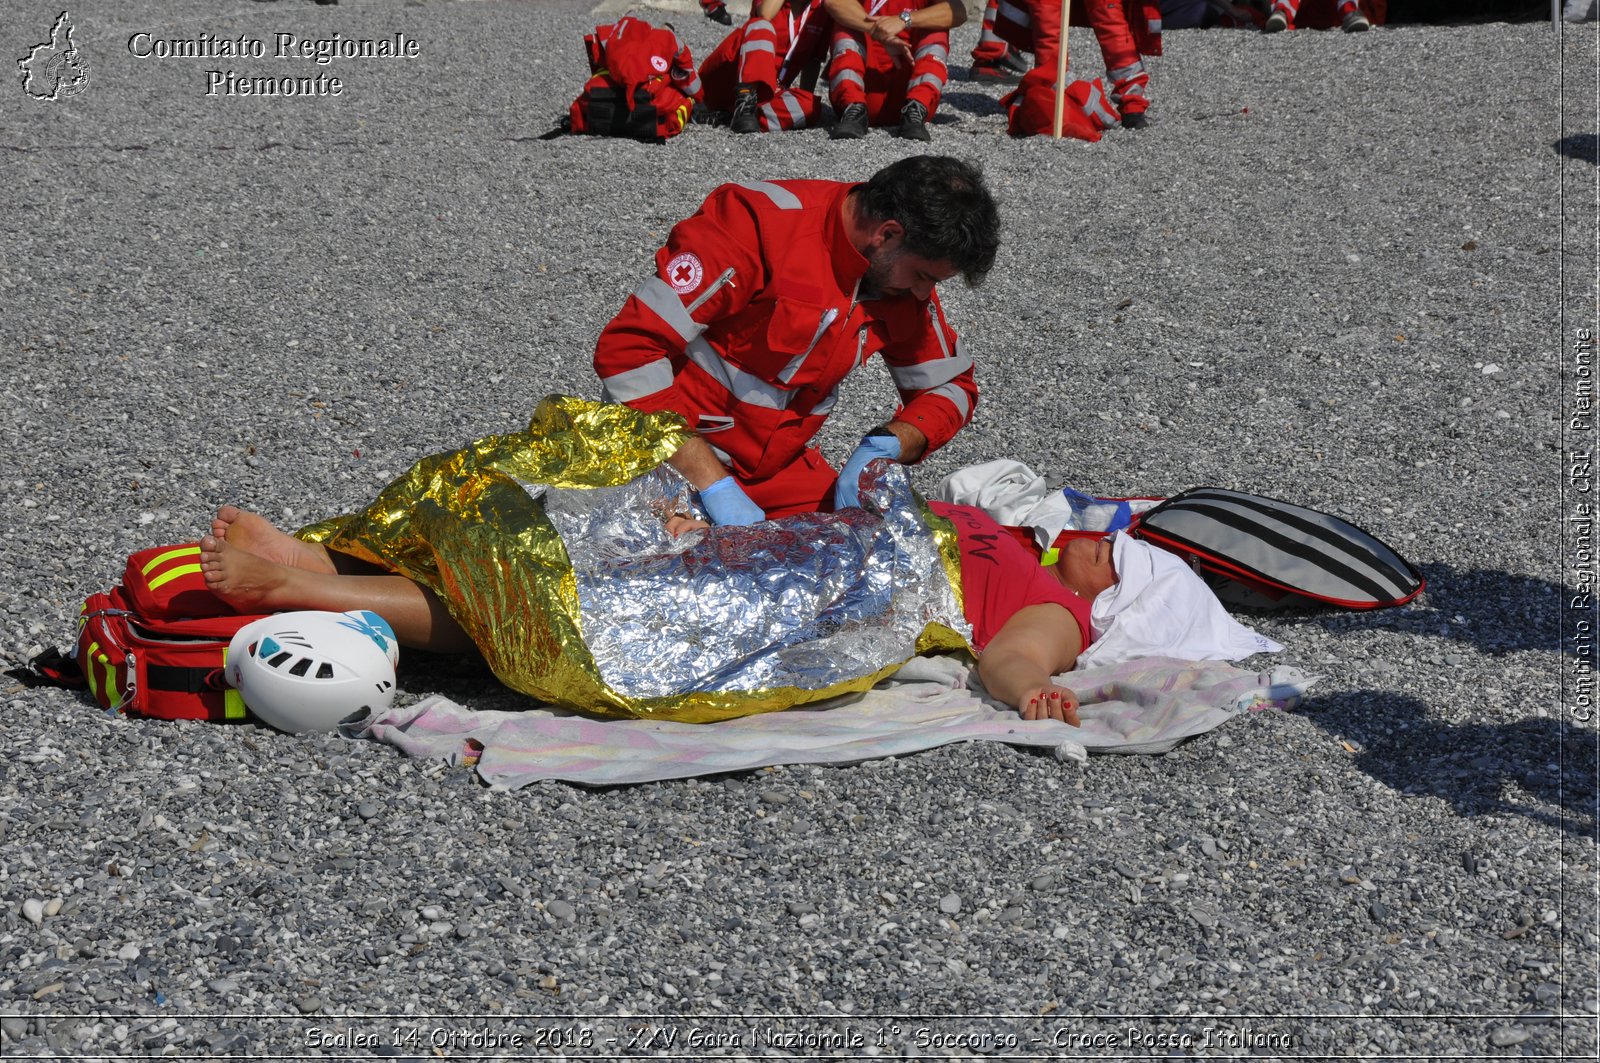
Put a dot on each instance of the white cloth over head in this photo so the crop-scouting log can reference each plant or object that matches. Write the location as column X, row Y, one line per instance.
column 1160, row 608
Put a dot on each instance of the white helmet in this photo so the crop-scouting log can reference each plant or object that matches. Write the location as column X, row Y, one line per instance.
column 309, row 671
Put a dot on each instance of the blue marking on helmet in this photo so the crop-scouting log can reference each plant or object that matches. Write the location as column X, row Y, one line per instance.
column 371, row 625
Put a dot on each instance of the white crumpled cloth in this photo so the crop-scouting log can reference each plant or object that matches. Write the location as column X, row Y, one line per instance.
column 1143, row 706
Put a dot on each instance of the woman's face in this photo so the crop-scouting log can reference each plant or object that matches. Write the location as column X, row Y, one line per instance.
column 1085, row 566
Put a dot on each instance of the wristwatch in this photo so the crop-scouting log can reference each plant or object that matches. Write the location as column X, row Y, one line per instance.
column 905, row 16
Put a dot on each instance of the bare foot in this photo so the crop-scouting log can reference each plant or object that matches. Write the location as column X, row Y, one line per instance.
column 249, row 583
column 256, row 535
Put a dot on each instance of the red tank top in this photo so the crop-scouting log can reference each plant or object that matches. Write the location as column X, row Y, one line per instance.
column 1000, row 576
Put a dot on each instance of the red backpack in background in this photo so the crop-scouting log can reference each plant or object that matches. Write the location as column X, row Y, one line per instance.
column 1031, row 107
column 643, row 83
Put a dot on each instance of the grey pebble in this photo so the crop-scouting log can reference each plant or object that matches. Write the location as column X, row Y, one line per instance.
column 950, row 904
column 309, row 1003
column 33, row 910
column 367, row 809
column 223, row 986
column 1506, row 1036
column 561, row 910
column 775, row 797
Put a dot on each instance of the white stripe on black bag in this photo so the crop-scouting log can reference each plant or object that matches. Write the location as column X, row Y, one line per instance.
column 1278, row 552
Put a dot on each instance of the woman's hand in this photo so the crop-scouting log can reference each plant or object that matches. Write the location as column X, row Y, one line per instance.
column 679, row 525
column 1049, row 702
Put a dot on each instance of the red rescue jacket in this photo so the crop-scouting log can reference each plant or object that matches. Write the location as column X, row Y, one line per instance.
column 750, row 322
column 1031, row 107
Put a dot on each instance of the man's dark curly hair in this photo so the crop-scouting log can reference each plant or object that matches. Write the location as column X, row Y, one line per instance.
column 945, row 207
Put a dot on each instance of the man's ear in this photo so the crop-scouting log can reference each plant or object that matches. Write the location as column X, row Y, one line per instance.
column 887, row 236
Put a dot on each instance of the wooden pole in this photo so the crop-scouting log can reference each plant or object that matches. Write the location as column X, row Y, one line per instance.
column 1061, row 71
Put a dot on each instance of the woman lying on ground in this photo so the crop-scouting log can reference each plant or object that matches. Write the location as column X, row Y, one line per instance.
column 564, row 555
column 1029, row 622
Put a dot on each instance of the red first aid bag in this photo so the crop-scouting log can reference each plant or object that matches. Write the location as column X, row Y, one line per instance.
column 642, row 85
column 1031, row 107
column 156, row 644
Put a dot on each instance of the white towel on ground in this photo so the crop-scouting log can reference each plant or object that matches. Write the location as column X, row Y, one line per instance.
column 1141, row 707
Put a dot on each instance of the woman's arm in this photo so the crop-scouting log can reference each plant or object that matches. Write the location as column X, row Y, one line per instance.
column 1016, row 667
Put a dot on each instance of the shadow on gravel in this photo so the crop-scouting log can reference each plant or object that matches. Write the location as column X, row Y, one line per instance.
column 464, row 680
column 1582, row 146
column 973, row 103
column 1526, row 767
column 1500, row 612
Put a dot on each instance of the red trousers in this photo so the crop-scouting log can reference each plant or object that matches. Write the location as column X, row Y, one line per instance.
column 749, row 56
column 1113, row 28
column 1291, row 8
column 863, row 71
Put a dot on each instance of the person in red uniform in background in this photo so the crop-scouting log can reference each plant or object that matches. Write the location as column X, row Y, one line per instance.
column 889, row 63
column 716, row 11
column 1351, row 20
column 750, row 72
column 765, row 299
column 1125, row 29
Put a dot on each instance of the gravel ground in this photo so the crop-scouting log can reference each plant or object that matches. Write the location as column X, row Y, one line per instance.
column 1331, row 270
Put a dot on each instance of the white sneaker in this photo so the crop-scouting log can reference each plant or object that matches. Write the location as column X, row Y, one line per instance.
column 1355, row 22
column 1276, row 23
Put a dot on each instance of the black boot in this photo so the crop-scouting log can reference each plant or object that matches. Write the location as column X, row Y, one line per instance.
column 746, row 112
column 913, row 122
column 852, row 124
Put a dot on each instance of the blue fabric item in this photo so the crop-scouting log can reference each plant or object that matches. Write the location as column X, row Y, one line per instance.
column 847, row 492
column 726, row 503
column 1097, row 514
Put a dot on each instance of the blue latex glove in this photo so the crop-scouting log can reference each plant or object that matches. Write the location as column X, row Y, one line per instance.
column 848, row 491
column 726, row 503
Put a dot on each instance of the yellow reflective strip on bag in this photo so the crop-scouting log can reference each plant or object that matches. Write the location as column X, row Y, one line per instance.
column 233, row 706
column 111, row 684
column 88, row 673
column 167, row 577
column 158, row 561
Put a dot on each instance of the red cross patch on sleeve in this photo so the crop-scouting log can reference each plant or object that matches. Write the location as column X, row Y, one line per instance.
column 684, row 272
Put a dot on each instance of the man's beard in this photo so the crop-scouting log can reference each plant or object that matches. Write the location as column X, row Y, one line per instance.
column 875, row 284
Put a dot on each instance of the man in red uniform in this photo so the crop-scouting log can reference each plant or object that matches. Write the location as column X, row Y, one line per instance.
column 750, row 72
column 889, row 63
column 765, row 299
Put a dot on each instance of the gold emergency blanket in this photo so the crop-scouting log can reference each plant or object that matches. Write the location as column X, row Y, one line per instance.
column 549, row 547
